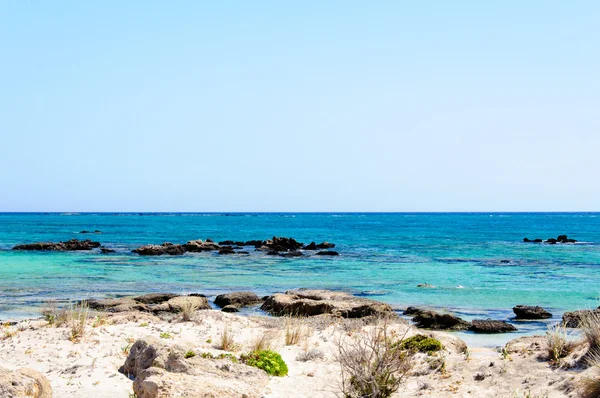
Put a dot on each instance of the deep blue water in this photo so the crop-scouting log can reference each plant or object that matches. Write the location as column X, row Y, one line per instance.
column 383, row 256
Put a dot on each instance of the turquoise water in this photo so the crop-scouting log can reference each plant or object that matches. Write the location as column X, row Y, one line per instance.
column 383, row 256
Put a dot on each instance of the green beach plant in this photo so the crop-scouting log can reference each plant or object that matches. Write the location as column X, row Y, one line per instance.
column 421, row 343
column 269, row 361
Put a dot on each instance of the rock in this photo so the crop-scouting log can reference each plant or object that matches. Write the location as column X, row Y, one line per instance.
column 90, row 232
column 24, row 383
column 552, row 241
column 230, row 308
column 105, row 250
column 238, row 299
column 411, row 311
column 115, row 305
column 311, row 246
column 491, row 326
column 281, row 244
column 197, row 246
column 255, row 243
column 158, row 250
column 427, row 319
column 425, row 285
column 531, row 312
column 527, row 240
column 317, row 302
column 177, row 304
column 325, row 245
column 70, row 245
column 573, row 319
column 231, row 243
column 161, row 370
column 505, row 261
column 154, row 298
column 226, row 250
column 328, row 253
column 292, row 254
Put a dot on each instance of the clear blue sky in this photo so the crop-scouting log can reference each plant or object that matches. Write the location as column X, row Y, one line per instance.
column 299, row 106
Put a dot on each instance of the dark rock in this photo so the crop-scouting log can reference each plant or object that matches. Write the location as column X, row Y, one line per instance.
column 437, row 321
column 292, row 254
column 158, row 250
column 325, row 245
column 281, row 244
column 572, row 319
column 537, row 240
column 226, row 250
column 552, row 241
column 531, row 312
column 311, row 246
column 238, row 299
column 317, row 302
column 104, row 250
column 209, row 240
column 328, row 253
column 255, row 243
column 527, row 240
column 197, row 246
column 231, row 243
column 491, row 326
column 242, row 252
column 411, row 311
column 230, row 308
column 70, row 245
column 505, row 261
column 273, row 253
column 479, row 377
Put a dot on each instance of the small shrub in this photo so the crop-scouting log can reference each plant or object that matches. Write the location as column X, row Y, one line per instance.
column 144, row 324
column 590, row 329
column 126, row 348
column 165, row 335
column 371, row 365
column 208, row 341
column 269, row 361
column 557, row 343
column 421, row 343
column 187, row 310
column 590, row 385
column 190, row 354
column 294, row 331
column 99, row 321
column 310, row 355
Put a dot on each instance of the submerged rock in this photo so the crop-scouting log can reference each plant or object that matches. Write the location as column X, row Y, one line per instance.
column 238, row 299
column 531, row 312
column 317, row 302
column 159, row 250
column 105, row 250
column 70, row 245
column 328, row 253
column 24, row 383
column 491, row 326
column 161, row 370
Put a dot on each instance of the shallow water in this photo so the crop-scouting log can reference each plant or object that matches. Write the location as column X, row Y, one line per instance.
column 383, row 256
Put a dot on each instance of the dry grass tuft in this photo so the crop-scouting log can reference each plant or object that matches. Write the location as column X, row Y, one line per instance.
column 78, row 316
column 590, row 330
column 187, row 310
column 372, row 365
column 226, row 342
column 310, row 355
column 295, row 331
column 265, row 341
column 590, row 386
column 558, row 343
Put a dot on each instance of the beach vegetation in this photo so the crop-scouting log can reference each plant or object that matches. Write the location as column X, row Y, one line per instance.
column 590, row 384
column 165, row 335
column 264, row 341
column 190, row 354
column 126, row 348
column 590, row 330
column 372, row 365
column 558, row 343
column 187, row 310
column 99, row 320
column 226, row 342
column 78, row 316
column 310, row 355
column 269, row 361
column 421, row 343
column 144, row 324
column 295, row 331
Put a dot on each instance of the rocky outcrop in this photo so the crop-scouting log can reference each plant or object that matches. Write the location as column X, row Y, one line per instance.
column 427, row 319
column 70, row 245
column 161, row 370
column 159, row 250
column 572, row 319
column 153, row 302
column 105, row 250
column 197, row 246
column 317, row 302
column 323, row 245
column 328, row 253
column 531, row 312
column 237, row 299
column 552, row 241
column 491, row 326
column 24, row 383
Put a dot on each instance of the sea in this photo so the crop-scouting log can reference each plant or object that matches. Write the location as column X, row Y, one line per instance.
column 475, row 265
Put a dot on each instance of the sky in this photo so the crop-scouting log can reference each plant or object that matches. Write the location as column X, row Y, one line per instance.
column 299, row 106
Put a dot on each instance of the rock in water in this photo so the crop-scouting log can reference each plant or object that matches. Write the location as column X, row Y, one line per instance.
column 159, row 250
column 160, row 370
column 573, row 319
column 316, row 302
column 24, row 383
column 200, row 246
column 491, row 326
column 531, row 312
column 238, row 299
column 328, row 253
column 427, row 319
column 70, row 245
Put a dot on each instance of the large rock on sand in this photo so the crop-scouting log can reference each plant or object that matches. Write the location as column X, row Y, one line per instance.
column 179, row 303
column 573, row 319
column 159, row 250
column 153, row 302
column 24, row 383
column 161, row 370
column 237, row 299
column 317, row 302
column 70, row 245
column 531, row 312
